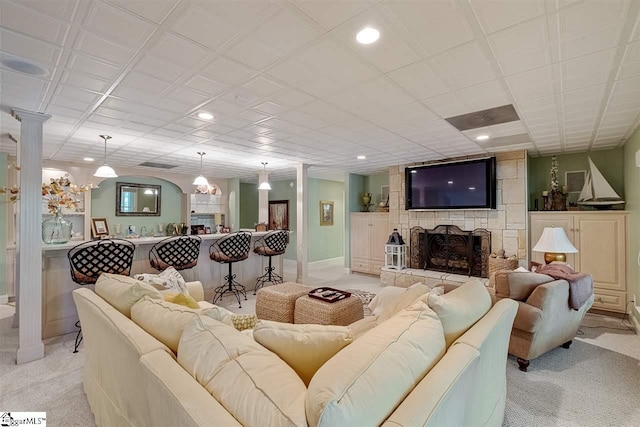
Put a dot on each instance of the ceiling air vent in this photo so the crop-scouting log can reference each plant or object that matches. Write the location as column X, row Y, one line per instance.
column 484, row 118
column 157, row 165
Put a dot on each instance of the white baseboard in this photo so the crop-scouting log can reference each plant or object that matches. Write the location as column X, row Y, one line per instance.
column 4, row 299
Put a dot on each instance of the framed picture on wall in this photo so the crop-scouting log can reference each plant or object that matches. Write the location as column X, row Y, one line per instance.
column 278, row 214
column 575, row 180
column 326, row 213
column 99, row 227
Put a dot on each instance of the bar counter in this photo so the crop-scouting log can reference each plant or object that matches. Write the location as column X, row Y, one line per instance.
column 59, row 312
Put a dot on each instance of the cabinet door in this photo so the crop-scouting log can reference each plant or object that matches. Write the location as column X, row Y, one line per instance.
column 601, row 243
column 379, row 236
column 539, row 222
column 360, row 243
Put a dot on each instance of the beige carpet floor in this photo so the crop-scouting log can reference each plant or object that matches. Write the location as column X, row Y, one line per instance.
column 594, row 383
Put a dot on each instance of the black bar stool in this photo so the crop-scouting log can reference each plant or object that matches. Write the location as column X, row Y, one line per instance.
column 179, row 252
column 271, row 244
column 89, row 260
column 227, row 250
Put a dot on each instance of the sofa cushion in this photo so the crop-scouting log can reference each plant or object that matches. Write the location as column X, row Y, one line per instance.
column 364, row 382
column 305, row 347
column 253, row 384
column 181, row 299
column 123, row 291
column 518, row 285
column 164, row 320
column 459, row 309
column 403, row 300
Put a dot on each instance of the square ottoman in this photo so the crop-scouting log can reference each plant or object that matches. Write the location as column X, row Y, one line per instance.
column 340, row 313
column 278, row 302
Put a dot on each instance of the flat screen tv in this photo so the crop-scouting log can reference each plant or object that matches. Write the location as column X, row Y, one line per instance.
column 469, row 184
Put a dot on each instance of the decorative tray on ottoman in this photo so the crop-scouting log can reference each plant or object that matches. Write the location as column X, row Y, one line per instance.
column 329, row 294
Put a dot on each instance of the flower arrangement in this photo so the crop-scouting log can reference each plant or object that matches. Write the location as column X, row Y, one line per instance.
column 554, row 174
column 61, row 193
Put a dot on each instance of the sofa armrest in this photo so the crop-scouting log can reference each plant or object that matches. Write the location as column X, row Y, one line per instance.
column 196, row 290
column 518, row 285
column 528, row 317
column 550, row 296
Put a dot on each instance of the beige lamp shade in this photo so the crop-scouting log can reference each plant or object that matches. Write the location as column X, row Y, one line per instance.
column 555, row 243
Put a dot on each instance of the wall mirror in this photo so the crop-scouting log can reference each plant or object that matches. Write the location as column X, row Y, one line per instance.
column 137, row 199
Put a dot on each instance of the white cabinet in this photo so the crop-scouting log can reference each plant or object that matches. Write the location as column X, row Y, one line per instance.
column 206, row 204
column 369, row 233
column 601, row 240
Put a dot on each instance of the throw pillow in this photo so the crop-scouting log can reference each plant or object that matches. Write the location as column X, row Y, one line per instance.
column 122, row 292
column 461, row 308
column 304, row 347
column 244, row 321
column 169, row 279
column 404, row 300
column 181, row 299
column 252, row 383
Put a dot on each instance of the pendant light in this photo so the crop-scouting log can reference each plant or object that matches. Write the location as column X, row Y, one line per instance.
column 105, row 171
column 264, row 185
column 201, row 180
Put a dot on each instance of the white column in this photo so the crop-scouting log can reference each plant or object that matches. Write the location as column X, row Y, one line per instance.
column 263, row 198
column 29, row 242
column 302, row 222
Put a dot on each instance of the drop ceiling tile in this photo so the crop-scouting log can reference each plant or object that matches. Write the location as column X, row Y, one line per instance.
column 420, row 80
column 497, row 15
column 172, row 105
column 254, row 53
column 270, row 108
column 227, row 71
column 390, row 52
column 520, row 38
column 84, row 82
column 262, row 87
column 447, row 105
column 205, row 85
column 20, row 102
column 332, row 13
column 132, row 94
column 179, row 50
column 31, row 23
column 287, row 30
column 241, row 97
column 97, row 47
column 61, row 9
column 23, row 81
column 587, row 16
column 524, row 61
column 204, row 27
column 222, row 107
column 160, row 68
column 582, row 45
column 94, row 67
column 529, row 79
column 110, row 112
column 117, row 26
column 29, row 48
column 436, row 26
column 156, row 10
column 188, row 96
column 252, row 116
column 70, row 103
column 67, row 112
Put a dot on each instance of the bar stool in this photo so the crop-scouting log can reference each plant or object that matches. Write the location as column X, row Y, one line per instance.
column 179, row 252
column 227, row 250
column 271, row 244
column 89, row 260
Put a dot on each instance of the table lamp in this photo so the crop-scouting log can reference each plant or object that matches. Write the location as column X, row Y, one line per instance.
column 555, row 244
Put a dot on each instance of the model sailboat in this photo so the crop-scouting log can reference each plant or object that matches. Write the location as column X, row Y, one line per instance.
column 596, row 190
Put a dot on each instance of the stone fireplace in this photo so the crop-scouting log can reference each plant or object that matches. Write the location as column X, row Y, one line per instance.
column 449, row 249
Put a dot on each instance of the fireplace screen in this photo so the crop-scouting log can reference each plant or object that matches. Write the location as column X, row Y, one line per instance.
column 449, row 249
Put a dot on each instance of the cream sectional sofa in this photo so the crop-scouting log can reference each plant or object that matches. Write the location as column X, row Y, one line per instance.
column 440, row 361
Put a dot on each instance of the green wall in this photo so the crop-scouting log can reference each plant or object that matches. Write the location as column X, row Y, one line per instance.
column 248, row 205
column 632, row 198
column 103, row 204
column 3, row 229
column 607, row 161
column 326, row 242
column 356, row 186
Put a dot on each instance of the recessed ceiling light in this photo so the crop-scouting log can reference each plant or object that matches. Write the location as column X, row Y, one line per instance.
column 361, row 157
column 205, row 116
column 482, row 137
column 368, row 35
column 88, row 159
column 449, row 182
column 472, row 188
column 414, row 171
column 23, row 66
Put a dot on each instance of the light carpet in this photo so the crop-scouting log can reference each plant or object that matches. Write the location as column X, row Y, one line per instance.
column 594, row 383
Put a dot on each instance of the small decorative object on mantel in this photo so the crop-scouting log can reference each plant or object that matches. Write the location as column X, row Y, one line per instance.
column 366, row 202
column 597, row 192
column 395, row 252
column 557, row 197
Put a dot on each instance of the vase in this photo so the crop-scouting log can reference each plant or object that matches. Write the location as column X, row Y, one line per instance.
column 366, row 198
column 56, row 230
